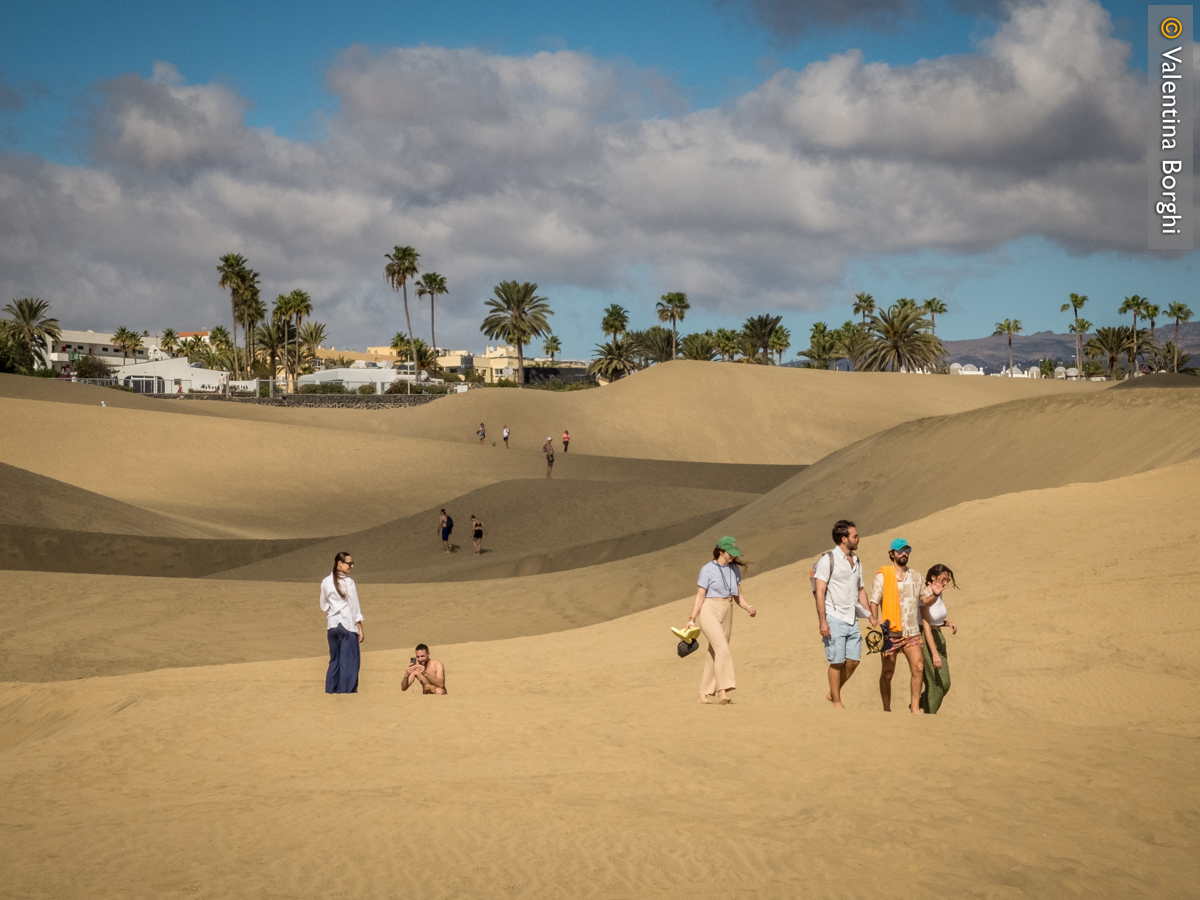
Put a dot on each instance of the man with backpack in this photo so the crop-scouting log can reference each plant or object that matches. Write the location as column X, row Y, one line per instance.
column 837, row 585
column 445, row 526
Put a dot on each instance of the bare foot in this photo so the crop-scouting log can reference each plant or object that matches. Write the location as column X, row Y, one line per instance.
column 704, row 699
column 917, row 710
column 838, row 705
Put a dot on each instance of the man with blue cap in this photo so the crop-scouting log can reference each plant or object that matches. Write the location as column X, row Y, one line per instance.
column 896, row 600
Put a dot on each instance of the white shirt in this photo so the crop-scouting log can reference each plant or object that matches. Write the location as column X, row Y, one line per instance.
column 340, row 610
column 937, row 612
column 718, row 581
column 842, row 584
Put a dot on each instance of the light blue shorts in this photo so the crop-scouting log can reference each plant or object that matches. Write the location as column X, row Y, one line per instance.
column 844, row 642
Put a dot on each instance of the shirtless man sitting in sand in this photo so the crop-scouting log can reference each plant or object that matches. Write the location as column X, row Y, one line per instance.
column 429, row 672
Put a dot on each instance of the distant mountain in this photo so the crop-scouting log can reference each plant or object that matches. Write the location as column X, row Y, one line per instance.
column 1030, row 349
column 991, row 352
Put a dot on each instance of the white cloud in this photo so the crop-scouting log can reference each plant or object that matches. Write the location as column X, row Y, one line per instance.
column 554, row 168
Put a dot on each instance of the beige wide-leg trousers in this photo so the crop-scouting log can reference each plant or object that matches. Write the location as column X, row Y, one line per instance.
column 716, row 623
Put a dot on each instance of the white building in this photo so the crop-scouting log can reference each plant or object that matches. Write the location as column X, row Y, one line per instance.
column 968, row 369
column 375, row 375
column 170, row 376
column 73, row 345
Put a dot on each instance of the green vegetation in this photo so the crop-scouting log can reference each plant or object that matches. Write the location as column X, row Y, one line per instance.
column 431, row 285
column 517, row 316
column 403, row 263
column 27, row 336
column 405, row 347
column 323, row 389
column 615, row 321
column 1009, row 327
column 671, row 308
column 1180, row 313
column 92, row 367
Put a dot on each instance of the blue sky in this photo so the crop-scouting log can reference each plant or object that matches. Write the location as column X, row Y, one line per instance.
column 277, row 58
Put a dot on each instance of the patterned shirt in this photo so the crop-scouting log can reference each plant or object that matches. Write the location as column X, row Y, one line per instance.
column 910, row 602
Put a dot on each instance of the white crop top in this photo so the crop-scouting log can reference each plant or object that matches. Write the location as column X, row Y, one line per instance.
column 937, row 612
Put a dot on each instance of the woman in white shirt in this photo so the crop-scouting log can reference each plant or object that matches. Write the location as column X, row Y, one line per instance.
column 933, row 621
column 343, row 619
column 719, row 588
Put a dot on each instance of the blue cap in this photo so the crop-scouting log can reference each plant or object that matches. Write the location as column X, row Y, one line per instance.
column 899, row 544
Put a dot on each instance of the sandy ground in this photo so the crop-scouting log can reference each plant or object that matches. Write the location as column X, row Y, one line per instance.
column 169, row 736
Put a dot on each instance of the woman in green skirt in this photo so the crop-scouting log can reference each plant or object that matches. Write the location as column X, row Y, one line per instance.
column 934, row 622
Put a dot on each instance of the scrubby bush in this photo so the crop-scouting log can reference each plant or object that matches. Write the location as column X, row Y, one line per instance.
column 323, row 389
column 366, row 388
column 92, row 367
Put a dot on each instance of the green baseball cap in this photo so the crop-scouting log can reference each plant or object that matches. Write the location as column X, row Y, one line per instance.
column 729, row 545
column 899, row 544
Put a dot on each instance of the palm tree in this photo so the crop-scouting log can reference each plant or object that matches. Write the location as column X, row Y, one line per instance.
column 312, row 336
column 517, row 316
column 821, row 345
column 33, row 332
column 1137, row 306
column 1079, row 328
column 1109, row 343
column 935, row 308
column 169, row 341
column 430, row 285
column 121, row 338
column 219, row 338
column 615, row 359
column 1009, row 327
column 1152, row 312
column 758, row 331
column 699, row 346
column 615, row 321
column 1180, row 313
column 865, row 304
column 906, row 303
column 852, row 343
column 301, row 305
column 232, row 270
column 781, row 340
column 403, row 264
column 191, row 348
column 426, row 357
column 654, row 345
column 253, row 311
column 899, row 341
column 272, row 339
column 1075, row 304
column 553, row 345
column 281, row 316
column 671, row 308
column 727, row 342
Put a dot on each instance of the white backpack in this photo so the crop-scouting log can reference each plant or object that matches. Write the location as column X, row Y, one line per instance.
column 812, row 573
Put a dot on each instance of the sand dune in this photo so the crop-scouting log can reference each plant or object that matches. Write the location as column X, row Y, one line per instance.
column 556, row 766
column 172, row 733
column 29, row 499
column 785, row 416
column 525, row 520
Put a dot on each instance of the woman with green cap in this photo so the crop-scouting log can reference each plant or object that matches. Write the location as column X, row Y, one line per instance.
column 720, row 586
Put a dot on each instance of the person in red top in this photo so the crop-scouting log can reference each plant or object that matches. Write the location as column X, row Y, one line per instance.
column 566, row 440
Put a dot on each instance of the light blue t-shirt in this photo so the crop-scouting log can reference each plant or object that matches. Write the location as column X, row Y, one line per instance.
column 720, row 581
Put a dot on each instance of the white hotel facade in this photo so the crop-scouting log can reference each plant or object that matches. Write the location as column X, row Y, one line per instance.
column 74, row 345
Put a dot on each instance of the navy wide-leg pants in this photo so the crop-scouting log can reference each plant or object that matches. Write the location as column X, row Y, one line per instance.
column 342, row 677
